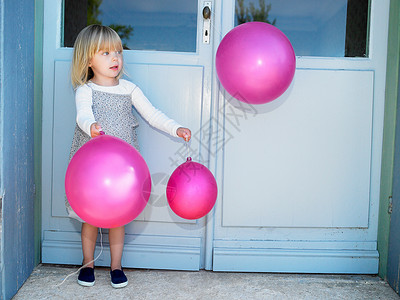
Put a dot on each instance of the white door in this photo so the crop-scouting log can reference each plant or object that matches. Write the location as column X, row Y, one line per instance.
column 300, row 176
column 172, row 64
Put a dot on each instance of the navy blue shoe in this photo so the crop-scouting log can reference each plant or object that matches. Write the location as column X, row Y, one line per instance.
column 86, row 277
column 118, row 279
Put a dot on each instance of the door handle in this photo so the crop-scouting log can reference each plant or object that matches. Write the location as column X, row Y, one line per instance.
column 206, row 12
column 206, row 21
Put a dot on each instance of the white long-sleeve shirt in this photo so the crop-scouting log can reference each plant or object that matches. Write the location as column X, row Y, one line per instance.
column 85, row 117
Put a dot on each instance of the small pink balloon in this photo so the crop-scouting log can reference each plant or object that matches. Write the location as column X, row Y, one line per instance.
column 107, row 183
column 255, row 62
column 191, row 190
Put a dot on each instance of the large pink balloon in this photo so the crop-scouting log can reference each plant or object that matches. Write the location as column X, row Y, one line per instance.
column 255, row 62
column 107, row 182
column 191, row 190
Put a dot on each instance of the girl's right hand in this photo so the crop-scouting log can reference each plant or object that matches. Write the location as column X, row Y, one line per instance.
column 95, row 129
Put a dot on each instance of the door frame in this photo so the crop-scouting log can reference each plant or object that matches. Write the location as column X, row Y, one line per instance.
column 391, row 101
column 38, row 100
column 393, row 262
column 393, row 254
column 220, row 29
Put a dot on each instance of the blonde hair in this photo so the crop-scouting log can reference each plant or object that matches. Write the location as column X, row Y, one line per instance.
column 89, row 41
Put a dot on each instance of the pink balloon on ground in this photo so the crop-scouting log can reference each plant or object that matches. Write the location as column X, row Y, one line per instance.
column 107, row 183
column 191, row 190
column 255, row 62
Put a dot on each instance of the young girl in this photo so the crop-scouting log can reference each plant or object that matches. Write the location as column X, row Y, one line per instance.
column 104, row 103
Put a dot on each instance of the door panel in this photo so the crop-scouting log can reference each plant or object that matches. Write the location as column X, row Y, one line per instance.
column 64, row 108
column 308, row 159
column 183, row 104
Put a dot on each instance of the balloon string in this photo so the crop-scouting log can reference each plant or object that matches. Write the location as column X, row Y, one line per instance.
column 84, row 266
column 187, row 149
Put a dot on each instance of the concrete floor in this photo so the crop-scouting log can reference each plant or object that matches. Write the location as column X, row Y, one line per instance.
column 159, row 284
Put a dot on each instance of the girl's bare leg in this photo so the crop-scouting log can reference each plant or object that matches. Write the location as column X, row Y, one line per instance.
column 89, row 237
column 116, row 237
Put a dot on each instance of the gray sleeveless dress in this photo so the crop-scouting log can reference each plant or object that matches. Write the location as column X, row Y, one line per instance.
column 114, row 114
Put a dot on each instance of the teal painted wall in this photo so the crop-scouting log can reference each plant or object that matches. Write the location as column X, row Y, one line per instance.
column 389, row 134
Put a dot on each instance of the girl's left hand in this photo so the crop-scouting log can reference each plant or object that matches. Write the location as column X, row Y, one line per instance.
column 184, row 133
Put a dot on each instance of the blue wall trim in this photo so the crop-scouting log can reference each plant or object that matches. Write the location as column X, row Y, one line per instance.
column 17, row 143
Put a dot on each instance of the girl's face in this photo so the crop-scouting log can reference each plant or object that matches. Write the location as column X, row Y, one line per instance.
column 106, row 65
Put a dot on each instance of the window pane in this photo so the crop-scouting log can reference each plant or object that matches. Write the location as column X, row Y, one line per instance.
column 332, row 28
column 164, row 25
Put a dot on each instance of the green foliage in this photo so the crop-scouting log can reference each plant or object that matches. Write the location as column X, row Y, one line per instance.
column 251, row 13
column 93, row 12
column 124, row 32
